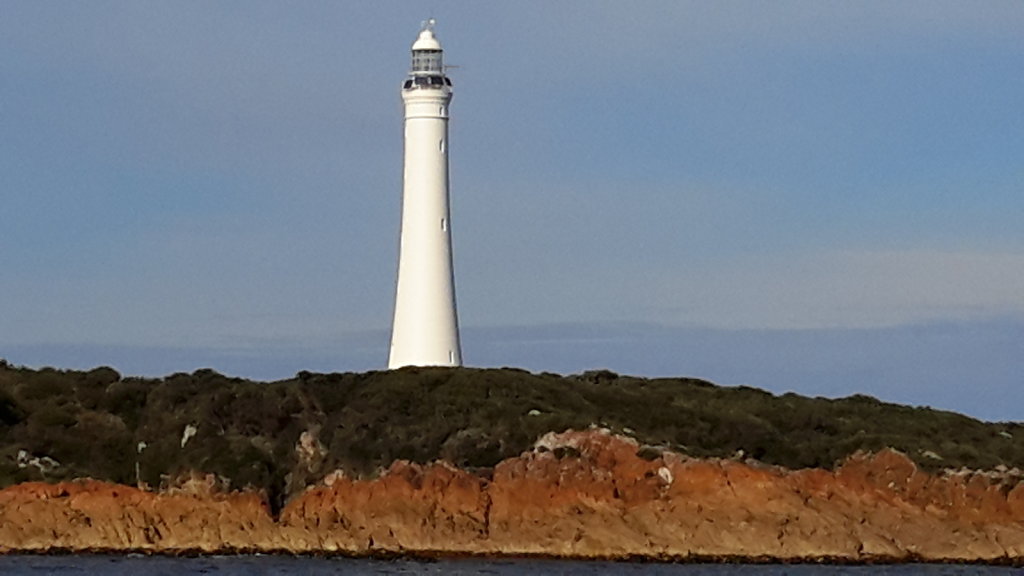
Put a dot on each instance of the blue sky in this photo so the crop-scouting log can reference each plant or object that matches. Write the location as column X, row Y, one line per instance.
column 822, row 197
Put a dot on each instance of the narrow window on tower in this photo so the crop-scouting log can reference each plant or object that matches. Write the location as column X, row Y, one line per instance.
column 444, row 224
column 440, row 145
column 451, row 357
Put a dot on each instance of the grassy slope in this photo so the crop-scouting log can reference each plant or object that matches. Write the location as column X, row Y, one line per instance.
column 92, row 423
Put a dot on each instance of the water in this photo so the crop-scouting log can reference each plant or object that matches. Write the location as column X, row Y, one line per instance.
column 284, row 565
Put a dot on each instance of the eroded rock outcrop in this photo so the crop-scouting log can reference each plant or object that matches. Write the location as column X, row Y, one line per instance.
column 578, row 494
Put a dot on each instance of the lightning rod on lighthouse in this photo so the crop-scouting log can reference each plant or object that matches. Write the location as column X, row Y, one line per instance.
column 426, row 328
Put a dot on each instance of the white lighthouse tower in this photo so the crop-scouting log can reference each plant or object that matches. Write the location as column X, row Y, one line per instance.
column 426, row 327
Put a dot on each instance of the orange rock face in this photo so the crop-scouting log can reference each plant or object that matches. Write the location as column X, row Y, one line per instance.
column 578, row 494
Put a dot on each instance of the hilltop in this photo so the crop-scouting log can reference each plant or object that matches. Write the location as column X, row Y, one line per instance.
column 430, row 461
column 280, row 437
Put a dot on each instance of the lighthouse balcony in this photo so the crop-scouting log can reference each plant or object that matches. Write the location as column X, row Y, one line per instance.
column 420, row 82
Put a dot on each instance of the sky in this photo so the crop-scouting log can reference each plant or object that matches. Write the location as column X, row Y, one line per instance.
column 818, row 197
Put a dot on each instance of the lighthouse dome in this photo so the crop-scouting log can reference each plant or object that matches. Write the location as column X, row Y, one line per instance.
column 426, row 41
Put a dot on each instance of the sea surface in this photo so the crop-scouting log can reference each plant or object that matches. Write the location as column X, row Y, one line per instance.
column 275, row 565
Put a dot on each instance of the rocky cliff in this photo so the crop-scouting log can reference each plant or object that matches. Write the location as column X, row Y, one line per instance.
column 577, row 494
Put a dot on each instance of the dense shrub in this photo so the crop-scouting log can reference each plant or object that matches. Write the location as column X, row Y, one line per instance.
column 10, row 412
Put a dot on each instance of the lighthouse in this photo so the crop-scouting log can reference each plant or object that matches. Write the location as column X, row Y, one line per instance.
column 425, row 331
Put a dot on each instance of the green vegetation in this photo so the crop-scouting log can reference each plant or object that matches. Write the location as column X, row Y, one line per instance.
column 58, row 424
